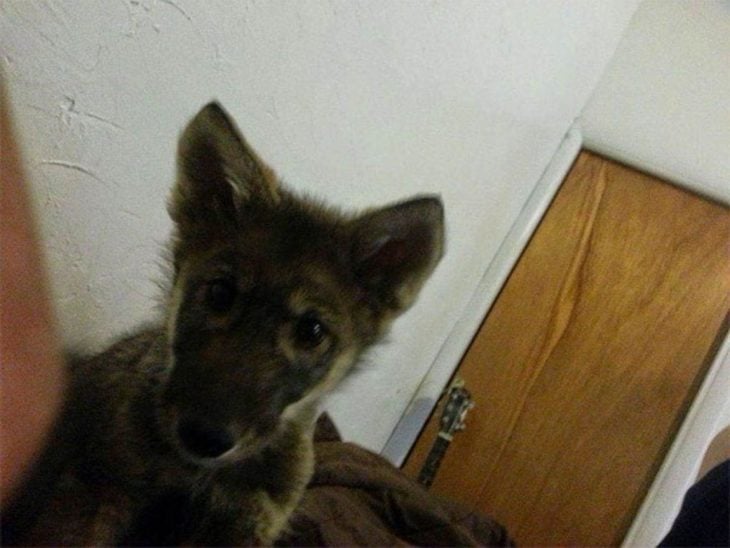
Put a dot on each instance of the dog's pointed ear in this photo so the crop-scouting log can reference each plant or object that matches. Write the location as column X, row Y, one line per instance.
column 395, row 250
column 217, row 171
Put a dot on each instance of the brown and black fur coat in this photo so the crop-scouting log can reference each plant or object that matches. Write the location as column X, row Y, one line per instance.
column 205, row 419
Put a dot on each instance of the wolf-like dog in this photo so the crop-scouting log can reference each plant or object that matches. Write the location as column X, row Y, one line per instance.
column 198, row 430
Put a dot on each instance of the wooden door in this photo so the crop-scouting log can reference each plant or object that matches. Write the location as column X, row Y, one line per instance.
column 586, row 364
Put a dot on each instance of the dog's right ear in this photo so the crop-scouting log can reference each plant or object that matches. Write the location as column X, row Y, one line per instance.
column 396, row 248
column 217, row 172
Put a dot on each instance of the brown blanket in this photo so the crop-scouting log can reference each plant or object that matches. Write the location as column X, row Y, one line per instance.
column 359, row 498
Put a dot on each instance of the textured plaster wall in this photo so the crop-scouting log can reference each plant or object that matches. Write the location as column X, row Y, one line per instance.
column 663, row 103
column 359, row 102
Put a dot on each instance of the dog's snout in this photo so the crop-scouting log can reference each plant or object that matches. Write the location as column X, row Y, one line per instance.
column 204, row 440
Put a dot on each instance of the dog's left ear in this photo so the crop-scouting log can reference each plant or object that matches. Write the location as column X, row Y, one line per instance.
column 395, row 250
column 218, row 172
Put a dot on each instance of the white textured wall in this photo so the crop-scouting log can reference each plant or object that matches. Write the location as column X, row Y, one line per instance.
column 360, row 102
column 663, row 104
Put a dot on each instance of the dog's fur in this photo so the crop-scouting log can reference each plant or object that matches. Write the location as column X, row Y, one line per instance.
column 199, row 430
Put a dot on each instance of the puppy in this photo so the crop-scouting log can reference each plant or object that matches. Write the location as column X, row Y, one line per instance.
column 199, row 429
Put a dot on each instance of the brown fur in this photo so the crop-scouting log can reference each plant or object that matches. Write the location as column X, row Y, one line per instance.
column 200, row 430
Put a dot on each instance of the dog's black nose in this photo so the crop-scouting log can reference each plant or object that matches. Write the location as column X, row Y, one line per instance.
column 203, row 440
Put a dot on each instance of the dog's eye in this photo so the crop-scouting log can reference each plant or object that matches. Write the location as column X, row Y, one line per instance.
column 220, row 295
column 310, row 332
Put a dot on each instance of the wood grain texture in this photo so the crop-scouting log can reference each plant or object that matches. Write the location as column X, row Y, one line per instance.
column 589, row 358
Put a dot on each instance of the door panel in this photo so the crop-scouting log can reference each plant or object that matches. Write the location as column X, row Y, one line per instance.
column 586, row 364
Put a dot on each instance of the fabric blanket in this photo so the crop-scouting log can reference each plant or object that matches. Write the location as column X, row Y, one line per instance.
column 358, row 498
